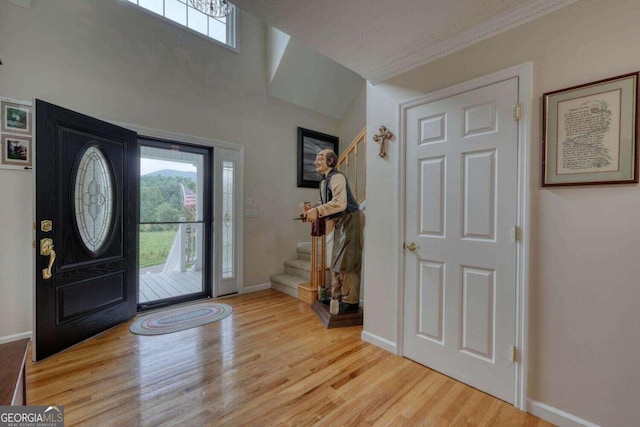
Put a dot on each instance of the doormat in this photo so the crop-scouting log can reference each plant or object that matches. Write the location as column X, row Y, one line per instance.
column 180, row 318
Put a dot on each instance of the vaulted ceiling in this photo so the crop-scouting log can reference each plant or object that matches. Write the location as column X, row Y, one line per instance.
column 378, row 39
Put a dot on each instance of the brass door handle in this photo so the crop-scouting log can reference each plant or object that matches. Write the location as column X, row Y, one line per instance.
column 412, row 246
column 46, row 249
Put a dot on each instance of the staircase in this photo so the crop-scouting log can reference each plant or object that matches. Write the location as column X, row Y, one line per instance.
column 296, row 271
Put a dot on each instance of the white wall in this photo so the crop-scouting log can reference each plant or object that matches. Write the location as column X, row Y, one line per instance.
column 584, row 290
column 354, row 119
column 109, row 61
column 276, row 45
column 311, row 80
column 16, row 253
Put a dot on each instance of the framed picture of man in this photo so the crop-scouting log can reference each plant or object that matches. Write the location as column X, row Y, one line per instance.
column 311, row 143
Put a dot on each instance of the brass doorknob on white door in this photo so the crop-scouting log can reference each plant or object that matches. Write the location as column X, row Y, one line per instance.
column 412, row 246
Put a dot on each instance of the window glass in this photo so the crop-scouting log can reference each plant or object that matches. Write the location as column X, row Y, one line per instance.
column 228, row 220
column 172, row 242
column 155, row 6
column 181, row 12
column 93, row 199
column 176, row 11
column 198, row 21
column 217, row 29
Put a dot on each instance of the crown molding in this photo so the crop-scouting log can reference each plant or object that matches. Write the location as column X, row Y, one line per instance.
column 499, row 24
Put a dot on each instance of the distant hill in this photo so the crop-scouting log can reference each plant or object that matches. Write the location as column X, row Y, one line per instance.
column 170, row 172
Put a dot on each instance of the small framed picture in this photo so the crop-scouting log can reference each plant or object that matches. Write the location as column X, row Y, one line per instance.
column 16, row 118
column 16, row 151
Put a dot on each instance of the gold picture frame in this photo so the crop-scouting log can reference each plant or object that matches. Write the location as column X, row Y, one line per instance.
column 590, row 133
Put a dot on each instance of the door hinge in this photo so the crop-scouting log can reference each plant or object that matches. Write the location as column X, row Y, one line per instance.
column 517, row 112
column 515, row 234
column 514, row 354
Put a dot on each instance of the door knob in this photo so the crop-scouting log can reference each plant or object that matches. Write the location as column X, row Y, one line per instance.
column 46, row 249
column 412, row 246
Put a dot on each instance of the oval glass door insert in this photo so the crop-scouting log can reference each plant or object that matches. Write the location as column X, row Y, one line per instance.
column 93, row 199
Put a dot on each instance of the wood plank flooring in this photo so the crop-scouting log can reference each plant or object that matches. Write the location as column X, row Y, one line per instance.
column 270, row 363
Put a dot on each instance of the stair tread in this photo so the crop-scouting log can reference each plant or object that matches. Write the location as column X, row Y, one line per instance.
column 288, row 279
column 300, row 267
column 304, row 246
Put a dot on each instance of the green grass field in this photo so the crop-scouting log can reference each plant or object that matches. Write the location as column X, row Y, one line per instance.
column 155, row 247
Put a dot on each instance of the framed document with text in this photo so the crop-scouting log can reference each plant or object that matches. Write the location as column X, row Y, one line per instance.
column 590, row 133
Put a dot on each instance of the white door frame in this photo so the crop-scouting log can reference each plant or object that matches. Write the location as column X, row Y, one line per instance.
column 239, row 197
column 524, row 74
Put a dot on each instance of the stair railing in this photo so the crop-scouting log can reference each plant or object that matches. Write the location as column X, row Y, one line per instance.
column 353, row 163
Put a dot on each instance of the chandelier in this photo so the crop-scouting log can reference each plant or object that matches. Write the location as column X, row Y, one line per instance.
column 213, row 8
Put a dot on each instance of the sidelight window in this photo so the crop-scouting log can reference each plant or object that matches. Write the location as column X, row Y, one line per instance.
column 228, row 168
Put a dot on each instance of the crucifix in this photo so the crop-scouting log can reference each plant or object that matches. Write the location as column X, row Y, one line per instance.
column 382, row 139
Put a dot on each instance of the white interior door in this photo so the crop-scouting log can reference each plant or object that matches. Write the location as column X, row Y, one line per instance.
column 461, row 209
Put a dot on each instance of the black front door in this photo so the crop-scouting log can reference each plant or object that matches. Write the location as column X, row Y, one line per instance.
column 86, row 227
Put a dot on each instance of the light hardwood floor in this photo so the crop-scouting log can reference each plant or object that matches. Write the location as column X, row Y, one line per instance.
column 270, row 363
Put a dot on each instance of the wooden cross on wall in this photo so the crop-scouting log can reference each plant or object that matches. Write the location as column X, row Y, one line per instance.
column 382, row 139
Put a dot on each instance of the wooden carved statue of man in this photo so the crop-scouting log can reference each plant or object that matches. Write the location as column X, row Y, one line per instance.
column 338, row 205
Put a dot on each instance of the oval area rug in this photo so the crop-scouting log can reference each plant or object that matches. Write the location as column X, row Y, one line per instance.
column 180, row 318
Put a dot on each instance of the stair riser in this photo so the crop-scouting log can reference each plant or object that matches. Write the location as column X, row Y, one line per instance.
column 284, row 289
column 304, row 255
column 296, row 272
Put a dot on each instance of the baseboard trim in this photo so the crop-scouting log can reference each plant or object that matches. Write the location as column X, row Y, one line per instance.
column 379, row 342
column 256, row 288
column 15, row 337
column 555, row 415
